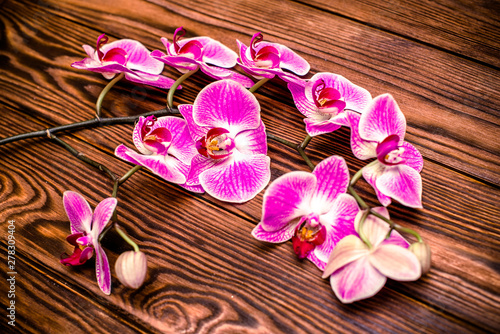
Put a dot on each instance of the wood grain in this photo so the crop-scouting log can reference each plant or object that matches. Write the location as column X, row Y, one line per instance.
column 207, row 274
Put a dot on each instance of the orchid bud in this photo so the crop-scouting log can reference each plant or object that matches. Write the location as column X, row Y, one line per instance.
column 131, row 268
column 423, row 253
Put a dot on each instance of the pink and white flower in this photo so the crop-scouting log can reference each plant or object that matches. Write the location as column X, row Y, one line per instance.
column 312, row 209
column 124, row 56
column 359, row 271
column 165, row 147
column 85, row 230
column 232, row 163
column 379, row 133
column 266, row 60
column 323, row 100
column 205, row 53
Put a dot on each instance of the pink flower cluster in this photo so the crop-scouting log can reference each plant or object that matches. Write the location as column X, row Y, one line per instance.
column 220, row 146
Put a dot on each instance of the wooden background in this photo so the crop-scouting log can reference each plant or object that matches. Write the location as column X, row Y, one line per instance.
column 439, row 59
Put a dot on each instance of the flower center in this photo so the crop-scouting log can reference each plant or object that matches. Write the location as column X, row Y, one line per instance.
column 389, row 152
column 327, row 99
column 191, row 49
column 117, row 55
column 266, row 57
column 217, row 144
column 156, row 140
column 308, row 234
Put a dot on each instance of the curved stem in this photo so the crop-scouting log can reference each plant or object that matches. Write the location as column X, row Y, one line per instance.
column 104, row 92
column 397, row 227
column 359, row 173
column 126, row 238
column 301, row 148
column 258, row 84
column 361, row 233
column 170, row 96
column 358, row 199
column 129, row 174
column 281, row 140
column 96, row 122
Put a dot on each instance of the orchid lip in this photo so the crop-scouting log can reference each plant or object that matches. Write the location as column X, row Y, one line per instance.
column 192, row 49
column 309, row 233
column 389, row 152
column 156, row 140
column 266, row 57
column 327, row 99
column 217, row 144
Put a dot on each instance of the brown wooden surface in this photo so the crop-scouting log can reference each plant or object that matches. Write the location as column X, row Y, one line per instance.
column 207, row 274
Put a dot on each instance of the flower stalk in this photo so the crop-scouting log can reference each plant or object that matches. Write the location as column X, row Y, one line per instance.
column 177, row 83
column 104, row 92
column 126, row 238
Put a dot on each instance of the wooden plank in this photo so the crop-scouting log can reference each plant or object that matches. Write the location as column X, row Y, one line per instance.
column 438, row 107
column 467, row 28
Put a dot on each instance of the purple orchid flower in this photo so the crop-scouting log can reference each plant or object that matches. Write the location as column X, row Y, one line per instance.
column 231, row 164
column 379, row 132
column 323, row 100
column 358, row 271
column 266, row 60
column 312, row 209
column 85, row 230
column 124, row 56
column 165, row 147
column 198, row 52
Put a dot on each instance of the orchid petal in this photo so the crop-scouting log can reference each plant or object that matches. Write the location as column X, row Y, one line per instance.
column 315, row 128
column 78, row 211
column 381, row 119
column 252, row 141
column 197, row 132
column 333, row 178
column 137, row 135
column 402, row 183
column 361, row 148
column 199, row 164
column 159, row 81
column 217, row 54
column 102, row 214
column 288, row 197
column 124, row 153
column 226, row 104
column 277, row 236
column 165, row 166
column 355, row 97
column 304, row 105
column 238, row 181
column 222, row 73
column 347, row 250
column 412, row 157
column 102, row 271
column 356, row 281
column 288, row 58
column 138, row 56
column 182, row 146
column 374, row 228
column 339, row 223
column 396, row 262
column 371, row 174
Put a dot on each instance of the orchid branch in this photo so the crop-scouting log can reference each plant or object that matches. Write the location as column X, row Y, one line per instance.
column 258, row 84
column 299, row 147
column 104, row 92
column 170, row 96
column 126, row 238
column 96, row 122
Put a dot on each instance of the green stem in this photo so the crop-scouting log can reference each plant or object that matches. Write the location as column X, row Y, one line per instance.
column 170, row 96
column 361, row 233
column 82, row 157
column 301, row 148
column 397, row 227
column 358, row 199
column 104, row 92
column 126, row 238
column 281, row 140
column 129, row 174
column 359, row 173
column 258, row 84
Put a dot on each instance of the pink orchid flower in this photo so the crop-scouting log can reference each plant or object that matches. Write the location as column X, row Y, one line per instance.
column 200, row 52
column 323, row 100
column 124, row 56
column 85, row 230
column 232, row 163
column 266, row 60
column 312, row 209
column 165, row 147
column 359, row 271
column 379, row 132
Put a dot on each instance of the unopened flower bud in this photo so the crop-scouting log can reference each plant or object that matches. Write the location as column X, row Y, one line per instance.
column 423, row 253
column 131, row 268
